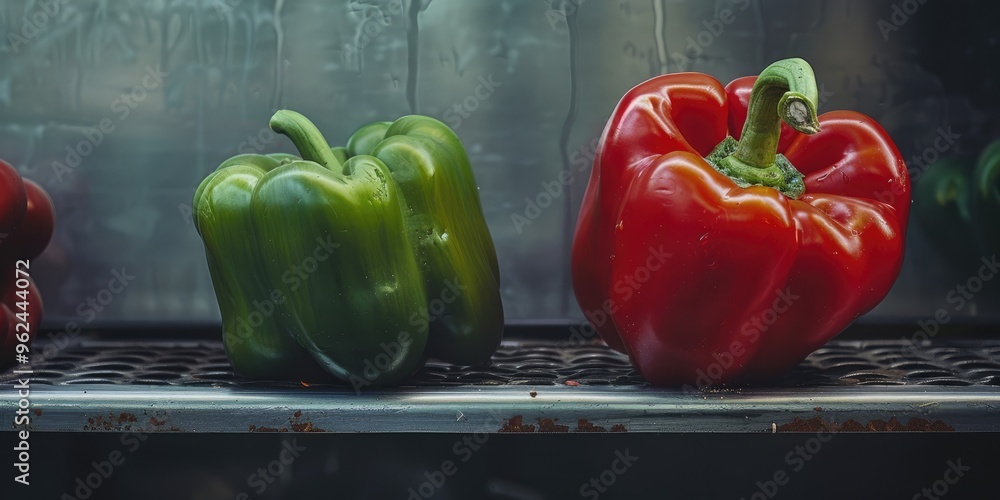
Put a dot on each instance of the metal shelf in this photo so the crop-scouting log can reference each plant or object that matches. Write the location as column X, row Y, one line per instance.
column 530, row 386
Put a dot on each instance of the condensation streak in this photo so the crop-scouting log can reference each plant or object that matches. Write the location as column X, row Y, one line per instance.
column 567, row 129
column 659, row 34
column 413, row 56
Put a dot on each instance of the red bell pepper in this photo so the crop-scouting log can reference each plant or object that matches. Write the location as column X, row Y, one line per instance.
column 714, row 247
column 27, row 220
column 30, row 235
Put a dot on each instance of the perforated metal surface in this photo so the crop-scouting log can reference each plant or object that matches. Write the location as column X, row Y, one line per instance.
column 534, row 363
column 188, row 386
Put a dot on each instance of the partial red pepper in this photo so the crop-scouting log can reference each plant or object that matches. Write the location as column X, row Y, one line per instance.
column 705, row 277
column 27, row 220
column 31, row 235
column 13, row 200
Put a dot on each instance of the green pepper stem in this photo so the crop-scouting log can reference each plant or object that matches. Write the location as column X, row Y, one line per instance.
column 306, row 137
column 785, row 91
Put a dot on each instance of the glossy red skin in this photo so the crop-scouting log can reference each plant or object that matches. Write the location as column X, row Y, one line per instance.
column 13, row 199
column 838, row 248
column 9, row 320
column 31, row 217
column 30, row 237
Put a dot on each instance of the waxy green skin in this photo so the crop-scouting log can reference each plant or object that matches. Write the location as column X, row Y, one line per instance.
column 355, row 302
column 446, row 230
column 413, row 271
column 258, row 344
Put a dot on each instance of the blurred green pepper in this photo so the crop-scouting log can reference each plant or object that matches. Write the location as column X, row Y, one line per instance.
column 957, row 204
column 986, row 200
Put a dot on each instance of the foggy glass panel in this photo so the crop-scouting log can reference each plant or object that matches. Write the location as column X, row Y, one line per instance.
column 121, row 107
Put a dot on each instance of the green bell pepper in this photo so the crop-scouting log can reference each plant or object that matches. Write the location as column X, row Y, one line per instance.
column 256, row 342
column 957, row 203
column 378, row 252
column 986, row 197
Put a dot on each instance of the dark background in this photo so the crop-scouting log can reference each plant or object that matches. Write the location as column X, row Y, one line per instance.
column 216, row 466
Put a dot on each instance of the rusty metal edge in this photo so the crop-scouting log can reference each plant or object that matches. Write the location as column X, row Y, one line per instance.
column 104, row 408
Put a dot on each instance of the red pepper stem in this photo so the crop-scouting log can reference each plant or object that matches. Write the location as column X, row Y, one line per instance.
column 306, row 137
column 785, row 91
